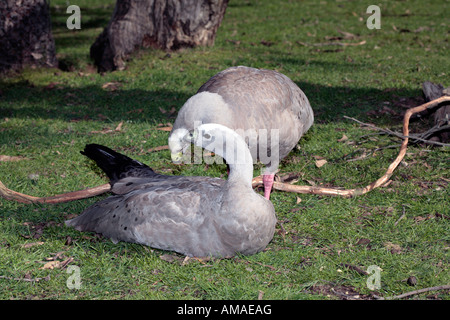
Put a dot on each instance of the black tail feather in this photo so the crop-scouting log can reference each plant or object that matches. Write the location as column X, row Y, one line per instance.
column 116, row 166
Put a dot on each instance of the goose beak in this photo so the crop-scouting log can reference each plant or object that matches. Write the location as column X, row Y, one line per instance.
column 177, row 157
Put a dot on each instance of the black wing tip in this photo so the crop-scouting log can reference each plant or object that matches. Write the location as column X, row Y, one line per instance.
column 114, row 164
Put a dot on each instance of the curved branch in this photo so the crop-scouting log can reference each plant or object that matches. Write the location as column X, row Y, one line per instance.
column 382, row 180
column 9, row 194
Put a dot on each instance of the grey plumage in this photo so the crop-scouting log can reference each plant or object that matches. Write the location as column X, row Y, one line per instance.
column 249, row 100
column 196, row 216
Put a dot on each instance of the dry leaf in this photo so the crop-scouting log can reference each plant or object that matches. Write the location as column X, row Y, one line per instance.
column 361, row 157
column 394, row 248
column 363, row 242
column 104, row 131
column 32, row 244
column 298, row 200
column 165, row 128
column 158, row 148
column 119, row 126
column 186, row 260
column 163, row 111
column 111, row 86
column 421, row 218
column 320, row 163
column 51, row 265
column 260, row 294
column 344, row 138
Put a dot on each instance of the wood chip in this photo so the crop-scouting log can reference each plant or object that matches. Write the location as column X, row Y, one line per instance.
column 320, row 163
column 51, row 265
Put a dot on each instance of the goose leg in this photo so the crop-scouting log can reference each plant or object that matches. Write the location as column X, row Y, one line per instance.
column 268, row 183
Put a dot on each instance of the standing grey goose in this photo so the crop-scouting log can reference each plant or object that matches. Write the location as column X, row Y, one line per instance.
column 195, row 216
column 264, row 106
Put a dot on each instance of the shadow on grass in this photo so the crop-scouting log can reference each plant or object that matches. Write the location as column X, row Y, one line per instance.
column 23, row 100
column 112, row 104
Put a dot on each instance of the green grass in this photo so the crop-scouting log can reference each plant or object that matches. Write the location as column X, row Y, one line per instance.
column 48, row 115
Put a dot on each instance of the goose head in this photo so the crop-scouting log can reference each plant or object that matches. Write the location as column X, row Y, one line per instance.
column 203, row 107
column 179, row 142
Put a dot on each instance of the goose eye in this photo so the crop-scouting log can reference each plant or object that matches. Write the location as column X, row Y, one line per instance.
column 207, row 136
column 188, row 137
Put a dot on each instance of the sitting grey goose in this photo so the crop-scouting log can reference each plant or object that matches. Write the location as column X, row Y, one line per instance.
column 194, row 216
column 253, row 102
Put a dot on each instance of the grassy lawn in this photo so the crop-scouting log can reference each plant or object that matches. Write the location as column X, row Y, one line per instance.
column 48, row 115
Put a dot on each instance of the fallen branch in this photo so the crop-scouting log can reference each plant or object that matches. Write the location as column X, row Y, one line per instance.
column 381, row 181
column 411, row 293
column 281, row 186
column 65, row 197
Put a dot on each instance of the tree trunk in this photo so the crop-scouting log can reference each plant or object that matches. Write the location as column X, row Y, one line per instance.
column 433, row 91
column 163, row 24
column 25, row 35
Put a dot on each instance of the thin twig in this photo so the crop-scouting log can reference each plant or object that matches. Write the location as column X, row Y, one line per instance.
column 354, row 268
column 412, row 136
column 433, row 130
column 411, row 293
column 47, row 278
column 401, row 217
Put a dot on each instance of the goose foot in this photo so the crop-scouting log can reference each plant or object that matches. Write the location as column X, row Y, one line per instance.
column 268, row 183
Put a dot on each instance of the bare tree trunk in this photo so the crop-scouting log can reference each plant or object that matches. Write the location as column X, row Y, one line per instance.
column 164, row 24
column 433, row 91
column 25, row 35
